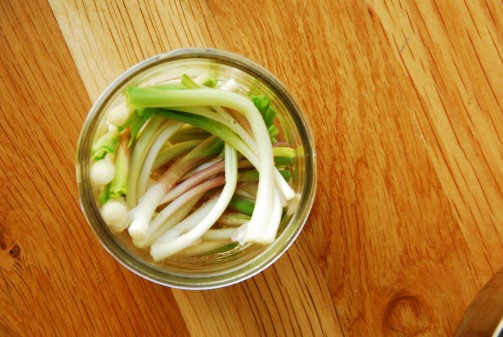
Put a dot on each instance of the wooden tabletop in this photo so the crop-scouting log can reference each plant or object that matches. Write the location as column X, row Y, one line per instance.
column 405, row 99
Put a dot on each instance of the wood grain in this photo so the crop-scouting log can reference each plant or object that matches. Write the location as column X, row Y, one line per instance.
column 56, row 280
column 405, row 100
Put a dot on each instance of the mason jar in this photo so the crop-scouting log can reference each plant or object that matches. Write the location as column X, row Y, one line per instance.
column 244, row 261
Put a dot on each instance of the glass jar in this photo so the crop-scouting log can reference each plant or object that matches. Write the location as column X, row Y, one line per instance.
column 242, row 262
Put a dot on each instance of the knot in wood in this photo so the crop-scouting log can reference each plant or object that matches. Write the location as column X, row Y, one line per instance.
column 15, row 251
column 406, row 316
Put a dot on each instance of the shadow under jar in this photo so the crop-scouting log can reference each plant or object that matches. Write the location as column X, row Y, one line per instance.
column 243, row 261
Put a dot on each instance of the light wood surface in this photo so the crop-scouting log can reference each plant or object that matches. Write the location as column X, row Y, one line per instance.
column 405, row 99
